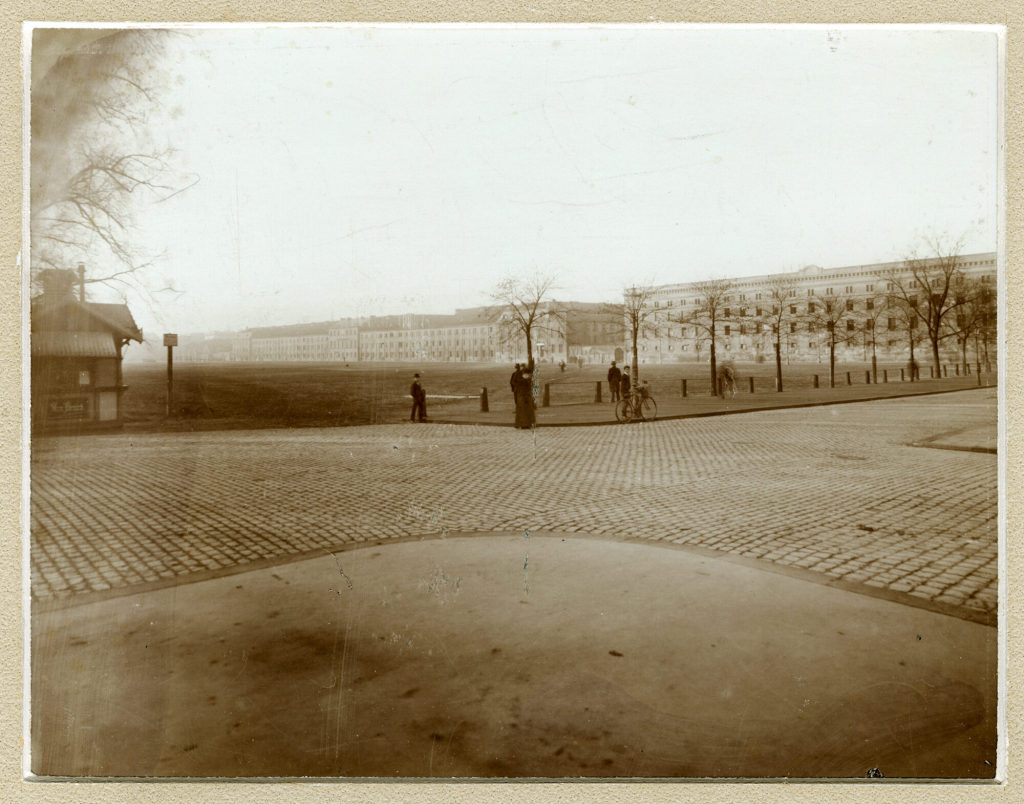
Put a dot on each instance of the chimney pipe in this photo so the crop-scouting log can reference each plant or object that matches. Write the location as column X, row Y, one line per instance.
column 81, row 282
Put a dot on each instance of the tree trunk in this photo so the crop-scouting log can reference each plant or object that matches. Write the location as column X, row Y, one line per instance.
column 636, row 362
column 935, row 355
column 714, row 366
column 874, row 362
column 778, row 364
column 963, row 353
column 832, row 363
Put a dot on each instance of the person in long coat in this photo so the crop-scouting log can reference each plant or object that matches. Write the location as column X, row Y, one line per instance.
column 525, row 408
column 419, row 400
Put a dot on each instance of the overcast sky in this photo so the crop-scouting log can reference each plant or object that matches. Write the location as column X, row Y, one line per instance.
column 356, row 171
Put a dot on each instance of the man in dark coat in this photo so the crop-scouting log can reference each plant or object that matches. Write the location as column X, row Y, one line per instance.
column 614, row 378
column 419, row 400
column 514, row 378
column 624, row 382
column 526, row 414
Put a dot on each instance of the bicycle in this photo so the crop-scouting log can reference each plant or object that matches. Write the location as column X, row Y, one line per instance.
column 638, row 406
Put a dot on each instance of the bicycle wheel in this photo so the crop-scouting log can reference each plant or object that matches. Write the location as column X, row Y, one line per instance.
column 623, row 410
column 648, row 409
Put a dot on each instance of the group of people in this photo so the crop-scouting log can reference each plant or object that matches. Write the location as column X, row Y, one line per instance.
column 521, row 383
column 618, row 382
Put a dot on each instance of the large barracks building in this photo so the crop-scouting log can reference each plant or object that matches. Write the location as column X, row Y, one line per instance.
column 475, row 334
column 744, row 334
column 592, row 332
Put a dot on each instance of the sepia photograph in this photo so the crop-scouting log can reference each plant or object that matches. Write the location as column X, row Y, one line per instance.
column 514, row 402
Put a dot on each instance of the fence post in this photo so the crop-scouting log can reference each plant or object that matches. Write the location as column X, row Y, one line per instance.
column 483, row 400
column 848, row 380
column 867, row 377
column 751, row 384
column 683, row 382
column 885, row 375
column 547, row 395
column 597, row 391
column 815, row 380
column 902, row 376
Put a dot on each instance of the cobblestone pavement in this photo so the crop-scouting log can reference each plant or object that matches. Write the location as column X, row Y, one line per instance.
column 852, row 492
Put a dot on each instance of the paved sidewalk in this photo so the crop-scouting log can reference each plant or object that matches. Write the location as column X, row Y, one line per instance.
column 572, row 402
column 837, row 492
column 506, row 655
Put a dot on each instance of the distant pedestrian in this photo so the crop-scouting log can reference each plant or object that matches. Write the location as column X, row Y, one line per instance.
column 614, row 379
column 419, row 400
column 561, row 366
column 624, row 383
column 525, row 407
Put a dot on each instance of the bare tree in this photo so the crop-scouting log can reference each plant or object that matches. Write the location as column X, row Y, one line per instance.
column 837, row 315
column 778, row 313
column 707, row 316
column 902, row 317
column 875, row 309
column 925, row 287
column 975, row 317
column 524, row 308
column 637, row 314
column 94, row 154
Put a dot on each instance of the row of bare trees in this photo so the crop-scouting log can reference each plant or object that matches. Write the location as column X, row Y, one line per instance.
column 929, row 301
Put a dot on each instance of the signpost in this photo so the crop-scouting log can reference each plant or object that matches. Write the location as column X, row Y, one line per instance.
column 170, row 341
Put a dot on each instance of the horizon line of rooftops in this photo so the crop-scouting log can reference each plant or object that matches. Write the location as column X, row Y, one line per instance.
column 488, row 314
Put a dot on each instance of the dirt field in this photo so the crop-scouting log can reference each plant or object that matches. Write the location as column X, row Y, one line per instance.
column 210, row 396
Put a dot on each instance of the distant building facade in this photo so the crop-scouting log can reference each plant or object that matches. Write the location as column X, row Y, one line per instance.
column 475, row 334
column 744, row 334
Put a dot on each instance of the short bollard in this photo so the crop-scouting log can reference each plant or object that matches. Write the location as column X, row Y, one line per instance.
column 597, row 391
column 902, row 377
column 867, row 377
column 848, row 380
column 547, row 395
column 931, row 372
column 751, row 384
column 683, row 387
column 885, row 375
column 956, row 368
column 483, row 400
column 815, row 380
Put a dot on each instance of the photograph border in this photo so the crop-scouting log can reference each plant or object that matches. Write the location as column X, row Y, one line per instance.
column 13, row 327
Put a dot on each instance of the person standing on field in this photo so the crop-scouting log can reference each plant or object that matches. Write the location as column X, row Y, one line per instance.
column 624, row 383
column 419, row 400
column 614, row 378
